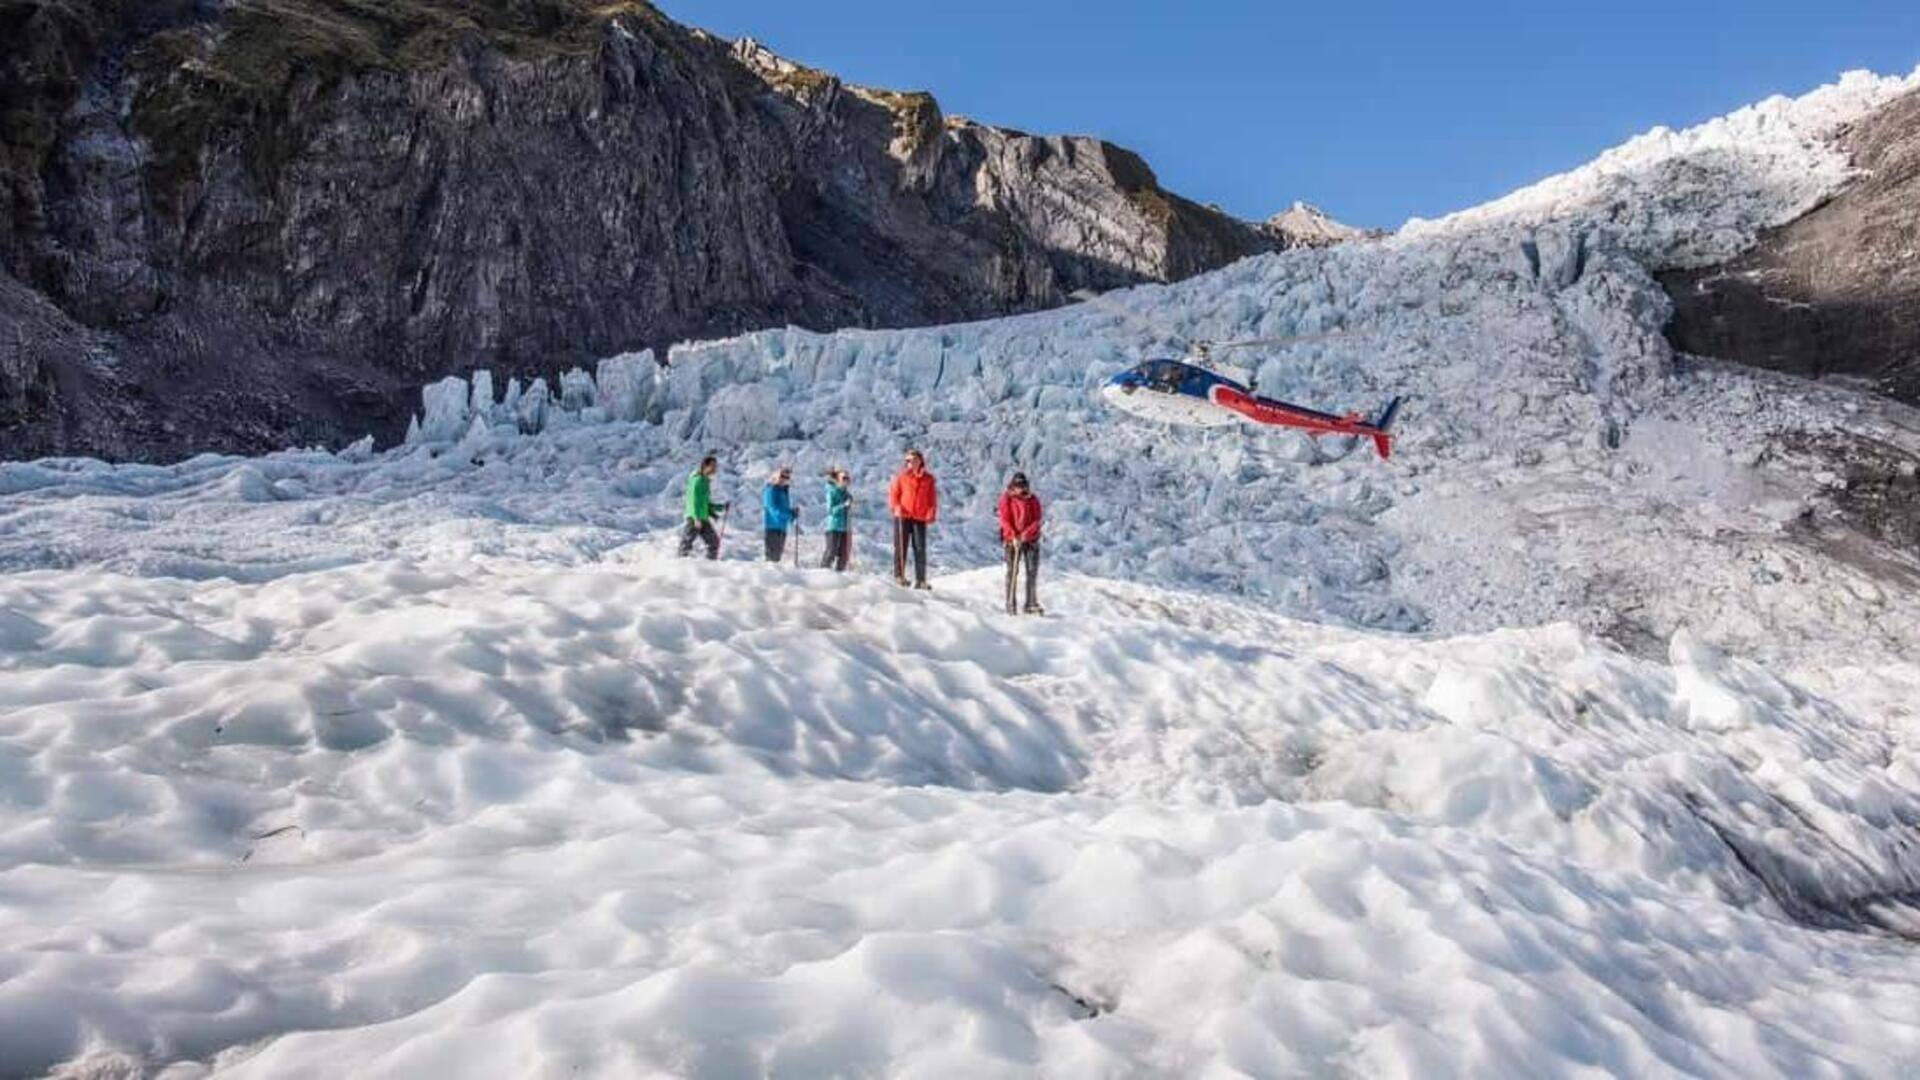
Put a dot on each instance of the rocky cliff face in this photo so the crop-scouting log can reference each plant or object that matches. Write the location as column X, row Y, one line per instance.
column 236, row 226
column 1834, row 293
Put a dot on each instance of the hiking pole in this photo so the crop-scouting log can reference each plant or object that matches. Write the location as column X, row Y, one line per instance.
column 1013, row 580
column 720, row 543
column 1020, row 557
column 796, row 545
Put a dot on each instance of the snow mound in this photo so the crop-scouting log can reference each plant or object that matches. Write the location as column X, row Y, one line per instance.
column 732, row 814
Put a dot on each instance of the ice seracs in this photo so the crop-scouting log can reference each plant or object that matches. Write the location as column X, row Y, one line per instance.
column 621, row 383
column 445, row 406
column 1526, row 337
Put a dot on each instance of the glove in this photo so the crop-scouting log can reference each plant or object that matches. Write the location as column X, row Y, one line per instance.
column 718, row 508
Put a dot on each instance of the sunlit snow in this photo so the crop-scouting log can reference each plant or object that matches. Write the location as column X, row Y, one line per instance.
column 1547, row 748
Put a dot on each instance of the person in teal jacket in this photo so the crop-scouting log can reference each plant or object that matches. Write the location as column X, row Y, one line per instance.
column 777, row 513
column 839, row 508
column 700, row 509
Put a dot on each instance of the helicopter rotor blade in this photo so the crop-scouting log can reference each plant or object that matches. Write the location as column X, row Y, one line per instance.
column 1110, row 303
column 1290, row 339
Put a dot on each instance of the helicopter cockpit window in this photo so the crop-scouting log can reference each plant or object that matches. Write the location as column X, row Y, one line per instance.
column 1164, row 375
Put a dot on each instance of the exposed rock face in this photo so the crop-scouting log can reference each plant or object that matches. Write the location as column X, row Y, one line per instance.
column 239, row 226
column 1836, row 292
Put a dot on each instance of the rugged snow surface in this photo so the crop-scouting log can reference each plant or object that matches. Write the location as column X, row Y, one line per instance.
column 1571, row 741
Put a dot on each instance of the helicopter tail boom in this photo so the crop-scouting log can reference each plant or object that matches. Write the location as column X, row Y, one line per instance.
column 1263, row 410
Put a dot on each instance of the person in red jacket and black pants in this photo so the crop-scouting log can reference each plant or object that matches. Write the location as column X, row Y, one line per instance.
column 1020, row 532
column 914, row 503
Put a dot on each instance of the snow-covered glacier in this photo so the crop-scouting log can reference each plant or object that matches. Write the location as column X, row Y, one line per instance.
column 1568, row 741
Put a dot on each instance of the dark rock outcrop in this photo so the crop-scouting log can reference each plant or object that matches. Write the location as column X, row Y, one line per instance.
column 236, row 226
column 1836, row 292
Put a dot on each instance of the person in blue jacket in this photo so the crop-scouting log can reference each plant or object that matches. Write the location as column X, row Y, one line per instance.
column 777, row 513
column 839, row 506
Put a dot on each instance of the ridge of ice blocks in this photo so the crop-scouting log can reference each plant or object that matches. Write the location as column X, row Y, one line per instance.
column 1552, row 465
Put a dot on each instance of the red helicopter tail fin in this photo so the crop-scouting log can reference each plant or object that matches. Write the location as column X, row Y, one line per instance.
column 1382, row 438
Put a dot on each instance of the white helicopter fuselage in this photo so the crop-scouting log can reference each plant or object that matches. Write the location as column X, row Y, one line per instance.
column 1170, row 408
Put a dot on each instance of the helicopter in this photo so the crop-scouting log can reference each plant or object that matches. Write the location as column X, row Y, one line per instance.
column 1200, row 390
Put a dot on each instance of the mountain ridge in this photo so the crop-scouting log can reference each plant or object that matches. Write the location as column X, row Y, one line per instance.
column 241, row 226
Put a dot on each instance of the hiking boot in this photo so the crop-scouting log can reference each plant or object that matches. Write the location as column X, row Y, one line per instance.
column 921, row 585
column 900, row 581
column 1035, row 609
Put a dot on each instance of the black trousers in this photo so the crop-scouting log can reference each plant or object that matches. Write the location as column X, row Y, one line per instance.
column 1029, row 555
column 776, row 544
column 910, row 535
column 839, row 550
column 701, row 530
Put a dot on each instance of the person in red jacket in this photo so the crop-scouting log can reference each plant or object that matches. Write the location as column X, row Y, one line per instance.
column 1020, row 532
column 914, row 503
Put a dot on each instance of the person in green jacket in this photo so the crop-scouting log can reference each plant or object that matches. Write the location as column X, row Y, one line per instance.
column 701, row 508
column 839, row 506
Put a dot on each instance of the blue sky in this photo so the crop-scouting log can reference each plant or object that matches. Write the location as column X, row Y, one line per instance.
column 1373, row 110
